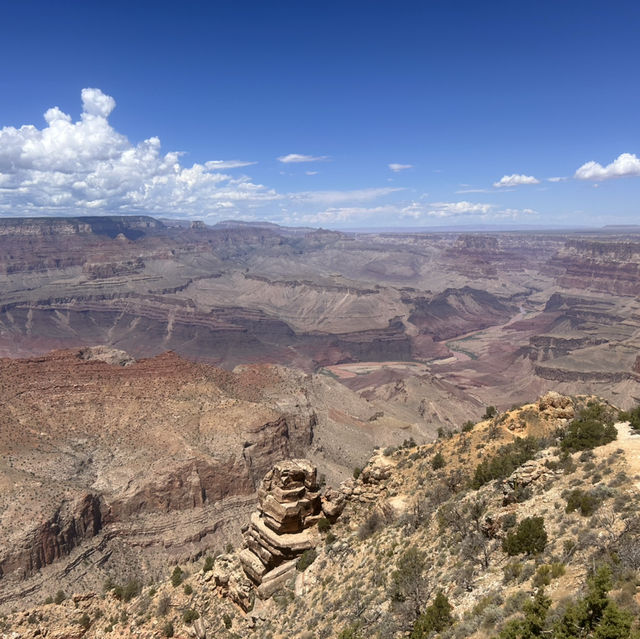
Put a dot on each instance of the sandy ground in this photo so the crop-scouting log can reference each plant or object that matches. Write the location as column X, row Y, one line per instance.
column 629, row 441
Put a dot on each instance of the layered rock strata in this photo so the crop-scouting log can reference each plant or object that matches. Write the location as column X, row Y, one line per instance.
column 285, row 524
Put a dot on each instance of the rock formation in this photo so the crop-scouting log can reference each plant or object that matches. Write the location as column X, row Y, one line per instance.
column 285, row 524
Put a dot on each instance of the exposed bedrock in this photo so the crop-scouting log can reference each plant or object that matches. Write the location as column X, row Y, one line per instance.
column 72, row 522
column 609, row 267
column 559, row 374
column 457, row 311
column 285, row 524
column 229, row 336
column 545, row 347
column 161, row 454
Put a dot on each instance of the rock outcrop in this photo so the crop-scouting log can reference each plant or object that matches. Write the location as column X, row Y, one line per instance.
column 285, row 524
column 556, row 406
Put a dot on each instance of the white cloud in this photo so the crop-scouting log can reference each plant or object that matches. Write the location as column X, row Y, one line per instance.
column 96, row 103
column 298, row 157
column 453, row 209
column 311, row 172
column 342, row 214
column 485, row 211
column 334, row 197
column 515, row 180
column 72, row 167
column 386, row 214
column 557, row 179
column 218, row 165
column 396, row 168
column 625, row 165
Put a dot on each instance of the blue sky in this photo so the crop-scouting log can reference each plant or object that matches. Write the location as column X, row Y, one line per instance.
column 342, row 114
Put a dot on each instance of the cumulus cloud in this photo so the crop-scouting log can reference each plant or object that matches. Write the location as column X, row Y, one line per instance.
column 96, row 103
column 74, row 167
column 625, row 165
column 515, row 180
column 396, row 168
column 294, row 158
column 557, row 179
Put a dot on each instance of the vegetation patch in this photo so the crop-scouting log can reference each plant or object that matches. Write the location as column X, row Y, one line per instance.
column 530, row 537
column 592, row 427
column 586, row 502
column 505, row 461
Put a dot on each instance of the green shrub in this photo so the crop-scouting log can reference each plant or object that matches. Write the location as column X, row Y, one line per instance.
column 306, row 559
column 512, row 571
column 505, row 461
column 208, row 563
column 595, row 615
column 132, row 589
column 514, row 603
column 84, row 621
column 190, row 615
column 60, row 597
column 187, row 589
column 592, row 427
column 351, row 632
column 632, row 416
column 586, row 502
column 127, row 592
column 324, row 525
column 435, row 618
column 167, row 629
column 509, row 521
column 356, row 472
column 117, row 591
column 408, row 584
column 177, row 576
column 226, row 620
column 438, row 461
column 542, row 576
column 163, row 606
column 529, row 537
column 534, row 622
column 467, row 426
column 490, row 412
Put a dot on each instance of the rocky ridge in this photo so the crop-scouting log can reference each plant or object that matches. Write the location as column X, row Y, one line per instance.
column 404, row 505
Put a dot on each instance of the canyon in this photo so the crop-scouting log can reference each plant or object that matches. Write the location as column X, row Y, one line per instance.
column 151, row 373
column 514, row 311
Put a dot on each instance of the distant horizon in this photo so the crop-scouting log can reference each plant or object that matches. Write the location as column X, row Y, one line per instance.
column 442, row 228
